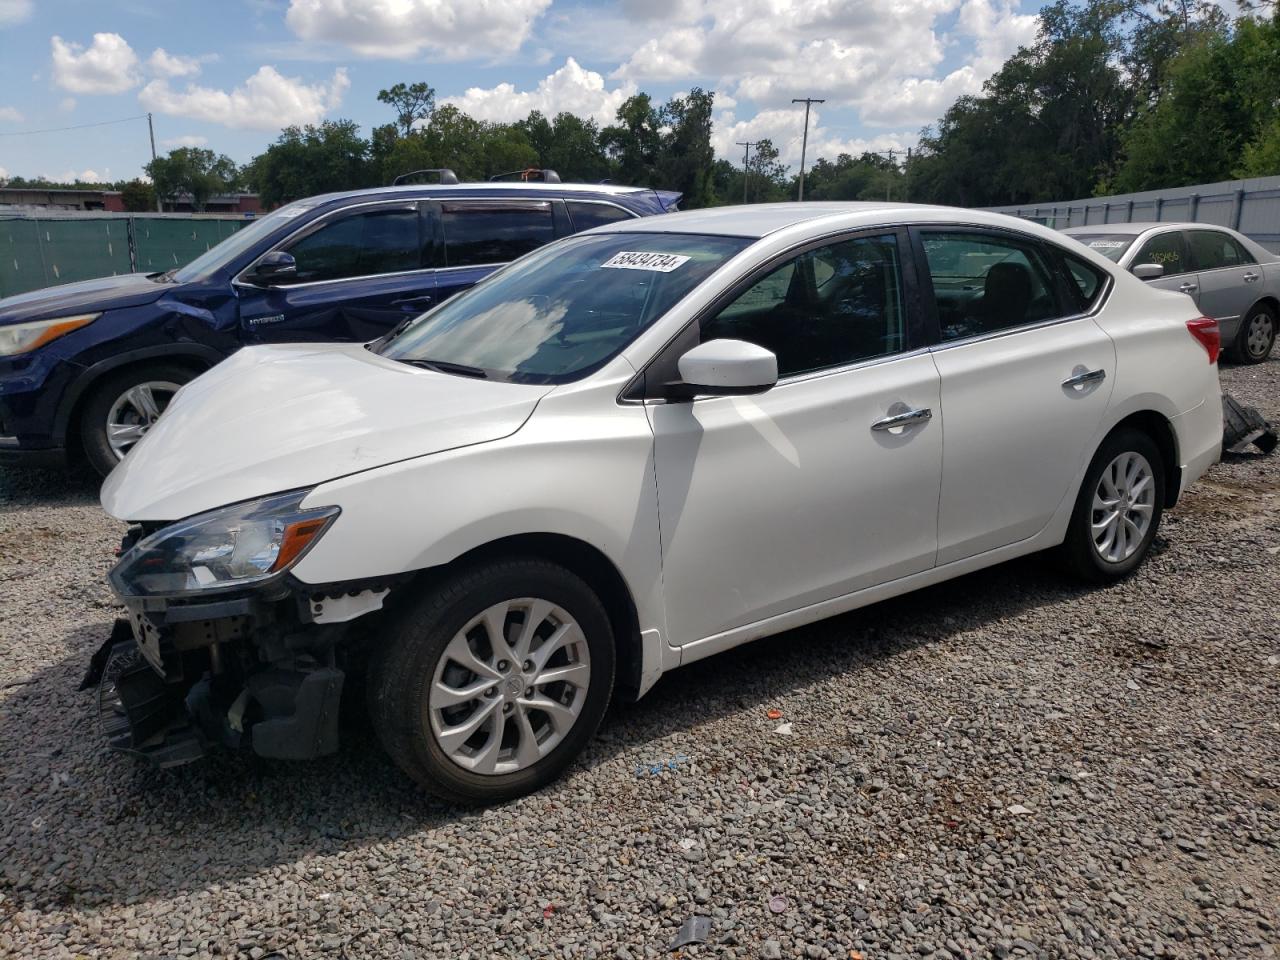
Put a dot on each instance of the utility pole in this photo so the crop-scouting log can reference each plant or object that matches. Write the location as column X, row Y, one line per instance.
column 804, row 143
column 906, row 178
column 746, row 159
column 888, row 180
column 152, row 130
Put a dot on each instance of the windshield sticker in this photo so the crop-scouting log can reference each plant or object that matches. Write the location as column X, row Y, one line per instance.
column 1106, row 244
column 638, row 260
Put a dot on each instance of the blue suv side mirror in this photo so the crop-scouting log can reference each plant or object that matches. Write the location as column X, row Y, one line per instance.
column 273, row 266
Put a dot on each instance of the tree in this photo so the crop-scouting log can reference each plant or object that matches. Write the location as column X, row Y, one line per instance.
column 305, row 161
column 685, row 157
column 633, row 143
column 568, row 145
column 138, row 196
column 192, row 172
column 412, row 103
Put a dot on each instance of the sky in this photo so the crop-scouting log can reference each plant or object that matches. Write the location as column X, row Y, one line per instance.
column 229, row 74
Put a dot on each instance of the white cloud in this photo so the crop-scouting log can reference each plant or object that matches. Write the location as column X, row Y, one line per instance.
column 187, row 140
column 109, row 65
column 785, row 129
column 15, row 11
column 165, row 64
column 266, row 101
column 11, row 115
column 84, row 176
column 67, row 104
column 4, row 174
column 403, row 28
column 571, row 88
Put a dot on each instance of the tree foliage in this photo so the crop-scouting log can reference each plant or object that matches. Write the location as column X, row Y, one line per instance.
column 194, row 174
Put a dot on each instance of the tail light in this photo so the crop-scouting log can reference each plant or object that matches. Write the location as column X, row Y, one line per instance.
column 1206, row 331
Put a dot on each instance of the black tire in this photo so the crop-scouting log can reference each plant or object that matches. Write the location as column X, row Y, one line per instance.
column 403, row 669
column 102, row 396
column 1078, row 552
column 1241, row 350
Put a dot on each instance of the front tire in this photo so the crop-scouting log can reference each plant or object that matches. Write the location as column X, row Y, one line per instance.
column 1256, row 336
column 1118, row 509
column 488, row 687
column 122, row 408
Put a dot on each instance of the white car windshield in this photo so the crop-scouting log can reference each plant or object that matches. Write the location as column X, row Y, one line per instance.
column 562, row 312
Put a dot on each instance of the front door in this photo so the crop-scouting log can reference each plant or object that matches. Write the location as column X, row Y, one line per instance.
column 360, row 273
column 1024, row 386
column 1169, row 249
column 804, row 493
column 1228, row 276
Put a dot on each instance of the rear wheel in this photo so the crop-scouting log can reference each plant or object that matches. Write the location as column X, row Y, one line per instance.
column 1118, row 509
column 1256, row 337
column 488, row 687
column 122, row 408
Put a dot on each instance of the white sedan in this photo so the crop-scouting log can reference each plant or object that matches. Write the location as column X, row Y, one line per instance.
column 629, row 450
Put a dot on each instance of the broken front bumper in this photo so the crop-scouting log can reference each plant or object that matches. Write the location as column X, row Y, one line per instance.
column 177, row 679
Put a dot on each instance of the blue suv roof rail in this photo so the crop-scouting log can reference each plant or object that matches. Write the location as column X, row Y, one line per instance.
column 529, row 175
column 444, row 173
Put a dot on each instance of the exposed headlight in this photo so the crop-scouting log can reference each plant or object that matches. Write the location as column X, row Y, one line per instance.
column 229, row 547
column 25, row 337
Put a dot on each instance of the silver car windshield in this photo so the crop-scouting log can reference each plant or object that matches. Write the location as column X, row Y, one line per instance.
column 565, row 310
column 1110, row 245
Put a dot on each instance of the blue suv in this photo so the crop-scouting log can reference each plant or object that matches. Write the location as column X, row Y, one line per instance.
column 88, row 367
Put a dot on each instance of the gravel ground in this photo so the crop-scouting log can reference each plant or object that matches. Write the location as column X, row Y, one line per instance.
column 1005, row 765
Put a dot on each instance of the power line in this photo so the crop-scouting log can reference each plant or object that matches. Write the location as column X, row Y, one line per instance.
column 78, row 126
column 746, row 155
column 804, row 143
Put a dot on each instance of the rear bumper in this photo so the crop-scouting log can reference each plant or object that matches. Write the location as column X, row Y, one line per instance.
column 1199, row 434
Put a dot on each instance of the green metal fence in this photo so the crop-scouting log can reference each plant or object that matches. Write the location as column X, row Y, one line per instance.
column 41, row 251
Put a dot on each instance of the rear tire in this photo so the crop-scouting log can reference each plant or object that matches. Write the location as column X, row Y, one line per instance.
column 1256, row 336
column 130, row 399
column 438, row 674
column 1118, row 509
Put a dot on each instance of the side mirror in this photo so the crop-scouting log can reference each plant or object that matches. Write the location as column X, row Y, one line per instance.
column 1148, row 271
column 274, row 266
column 726, row 368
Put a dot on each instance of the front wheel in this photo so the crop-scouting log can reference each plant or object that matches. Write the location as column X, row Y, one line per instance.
column 489, row 686
column 122, row 408
column 1118, row 509
column 1256, row 337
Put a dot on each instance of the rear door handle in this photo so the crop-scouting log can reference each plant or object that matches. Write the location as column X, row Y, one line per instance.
column 905, row 419
column 1188, row 287
column 1085, row 378
column 1251, row 277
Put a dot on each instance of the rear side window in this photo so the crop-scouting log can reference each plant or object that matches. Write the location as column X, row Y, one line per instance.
column 1211, row 250
column 360, row 245
column 586, row 215
column 986, row 282
column 1083, row 281
column 1166, row 249
column 484, row 233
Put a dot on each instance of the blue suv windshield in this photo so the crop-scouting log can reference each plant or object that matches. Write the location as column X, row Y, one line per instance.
column 243, row 239
column 565, row 310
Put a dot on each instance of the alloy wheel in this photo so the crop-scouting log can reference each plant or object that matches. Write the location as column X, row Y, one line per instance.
column 1123, row 504
column 509, row 686
column 1260, row 334
column 135, row 411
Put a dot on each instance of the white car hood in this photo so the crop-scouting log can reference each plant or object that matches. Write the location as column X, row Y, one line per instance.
column 276, row 418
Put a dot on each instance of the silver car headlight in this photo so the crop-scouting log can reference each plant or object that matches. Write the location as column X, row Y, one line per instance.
column 229, row 547
column 19, row 338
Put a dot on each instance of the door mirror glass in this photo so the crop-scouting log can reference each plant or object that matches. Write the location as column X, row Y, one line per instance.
column 274, row 267
column 727, row 368
column 1148, row 271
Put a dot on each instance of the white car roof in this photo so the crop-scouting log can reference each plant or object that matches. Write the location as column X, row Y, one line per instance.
column 759, row 220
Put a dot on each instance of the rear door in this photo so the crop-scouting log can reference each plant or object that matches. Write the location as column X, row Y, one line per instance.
column 360, row 272
column 1229, row 277
column 1169, row 249
column 477, row 236
column 1026, row 377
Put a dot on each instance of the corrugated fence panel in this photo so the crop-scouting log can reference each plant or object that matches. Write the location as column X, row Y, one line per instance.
column 1220, row 210
column 165, row 244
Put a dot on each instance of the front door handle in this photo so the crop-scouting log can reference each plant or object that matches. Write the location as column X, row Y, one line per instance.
column 1188, row 287
column 904, row 419
column 1085, row 378
column 1251, row 277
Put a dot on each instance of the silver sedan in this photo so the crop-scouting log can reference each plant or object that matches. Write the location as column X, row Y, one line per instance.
column 1231, row 278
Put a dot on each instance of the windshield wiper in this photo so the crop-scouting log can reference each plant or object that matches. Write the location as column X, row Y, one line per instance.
column 165, row 277
column 444, row 366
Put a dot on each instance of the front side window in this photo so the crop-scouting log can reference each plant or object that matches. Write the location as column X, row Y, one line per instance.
column 373, row 241
column 986, row 282
column 1211, row 250
column 482, row 233
column 586, row 215
column 220, row 255
column 1166, row 249
column 564, row 311
column 828, row 307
